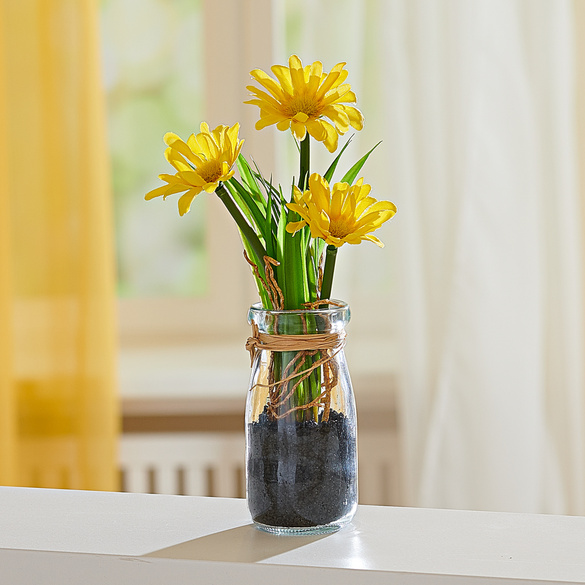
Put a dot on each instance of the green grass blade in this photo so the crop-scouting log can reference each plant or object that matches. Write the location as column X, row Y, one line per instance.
column 248, row 179
column 329, row 172
column 246, row 203
column 270, row 243
column 351, row 175
column 312, row 271
column 278, row 250
column 273, row 199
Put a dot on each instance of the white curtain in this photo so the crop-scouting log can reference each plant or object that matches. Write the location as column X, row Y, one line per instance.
column 475, row 103
column 481, row 109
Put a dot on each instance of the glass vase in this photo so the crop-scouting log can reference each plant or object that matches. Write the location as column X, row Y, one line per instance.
column 301, row 448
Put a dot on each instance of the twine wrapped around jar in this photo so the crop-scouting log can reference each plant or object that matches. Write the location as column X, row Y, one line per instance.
column 312, row 342
column 306, row 347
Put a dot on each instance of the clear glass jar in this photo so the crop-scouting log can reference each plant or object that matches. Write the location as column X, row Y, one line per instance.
column 301, row 447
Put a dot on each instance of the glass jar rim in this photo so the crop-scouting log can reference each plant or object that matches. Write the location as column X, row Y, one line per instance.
column 339, row 307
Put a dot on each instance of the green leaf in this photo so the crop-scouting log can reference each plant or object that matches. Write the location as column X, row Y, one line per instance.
column 314, row 252
column 351, row 175
column 257, row 174
column 294, row 275
column 256, row 198
column 280, row 237
column 247, row 229
column 268, row 225
column 329, row 173
column 311, row 274
column 273, row 198
column 239, row 198
column 248, row 179
column 246, row 203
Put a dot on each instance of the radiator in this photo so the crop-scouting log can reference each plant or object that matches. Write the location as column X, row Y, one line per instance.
column 212, row 464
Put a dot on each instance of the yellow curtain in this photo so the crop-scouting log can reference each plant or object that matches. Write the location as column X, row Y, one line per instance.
column 58, row 406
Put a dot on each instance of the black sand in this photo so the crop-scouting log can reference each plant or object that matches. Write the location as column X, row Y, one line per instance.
column 301, row 474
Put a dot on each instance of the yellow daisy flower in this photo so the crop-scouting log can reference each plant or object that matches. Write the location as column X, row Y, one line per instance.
column 344, row 214
column 205, row 160
column 301, row 97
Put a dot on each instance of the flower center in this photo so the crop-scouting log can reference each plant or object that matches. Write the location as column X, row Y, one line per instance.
column 210, row 171
column 341, row 227
column 306, row 104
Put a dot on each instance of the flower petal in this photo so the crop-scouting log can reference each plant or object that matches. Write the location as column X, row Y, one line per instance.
column 157, row 192
column 315, row 75
column 268, row 120
column 298, row 129
column 334, row 78
column 297, row 74
column 186, row 200
column 266, row 81
column 332, row 137
column 178, row 145
column 338, row 117
column 211, row 187
column 356, row 118
column 375, row 240
column 192, row 178
column 262, row 96
column 297, row 194
column 282, row 73
column 294, row 226
column 337, row 94
column 316, row 129
column 282, row 125
column 337, row 198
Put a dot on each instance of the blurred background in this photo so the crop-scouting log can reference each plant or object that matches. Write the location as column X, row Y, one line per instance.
column 122, row 325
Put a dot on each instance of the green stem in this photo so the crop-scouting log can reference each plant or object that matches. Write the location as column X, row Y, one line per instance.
column 330, row 256
column 305, row 162
column 240, row 220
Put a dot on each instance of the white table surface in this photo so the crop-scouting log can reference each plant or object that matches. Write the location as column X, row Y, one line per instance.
column 66, row 537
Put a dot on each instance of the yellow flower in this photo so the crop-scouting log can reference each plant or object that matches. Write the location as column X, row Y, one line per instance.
column 201, row 163
column 301, row 97
column 345, row 214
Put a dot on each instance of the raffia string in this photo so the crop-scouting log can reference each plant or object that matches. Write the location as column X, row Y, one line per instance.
column 269, row 285
column 299, row 368
column 312, row 342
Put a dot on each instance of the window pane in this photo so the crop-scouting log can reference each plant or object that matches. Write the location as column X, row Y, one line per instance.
column 153, row 75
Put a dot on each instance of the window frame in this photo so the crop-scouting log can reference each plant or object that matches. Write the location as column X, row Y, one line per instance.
column 247, row 41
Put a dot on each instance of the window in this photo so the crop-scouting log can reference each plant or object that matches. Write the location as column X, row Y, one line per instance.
column 174, row 274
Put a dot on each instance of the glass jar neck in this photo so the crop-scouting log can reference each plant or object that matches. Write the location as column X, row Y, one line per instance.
column 332, row 319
